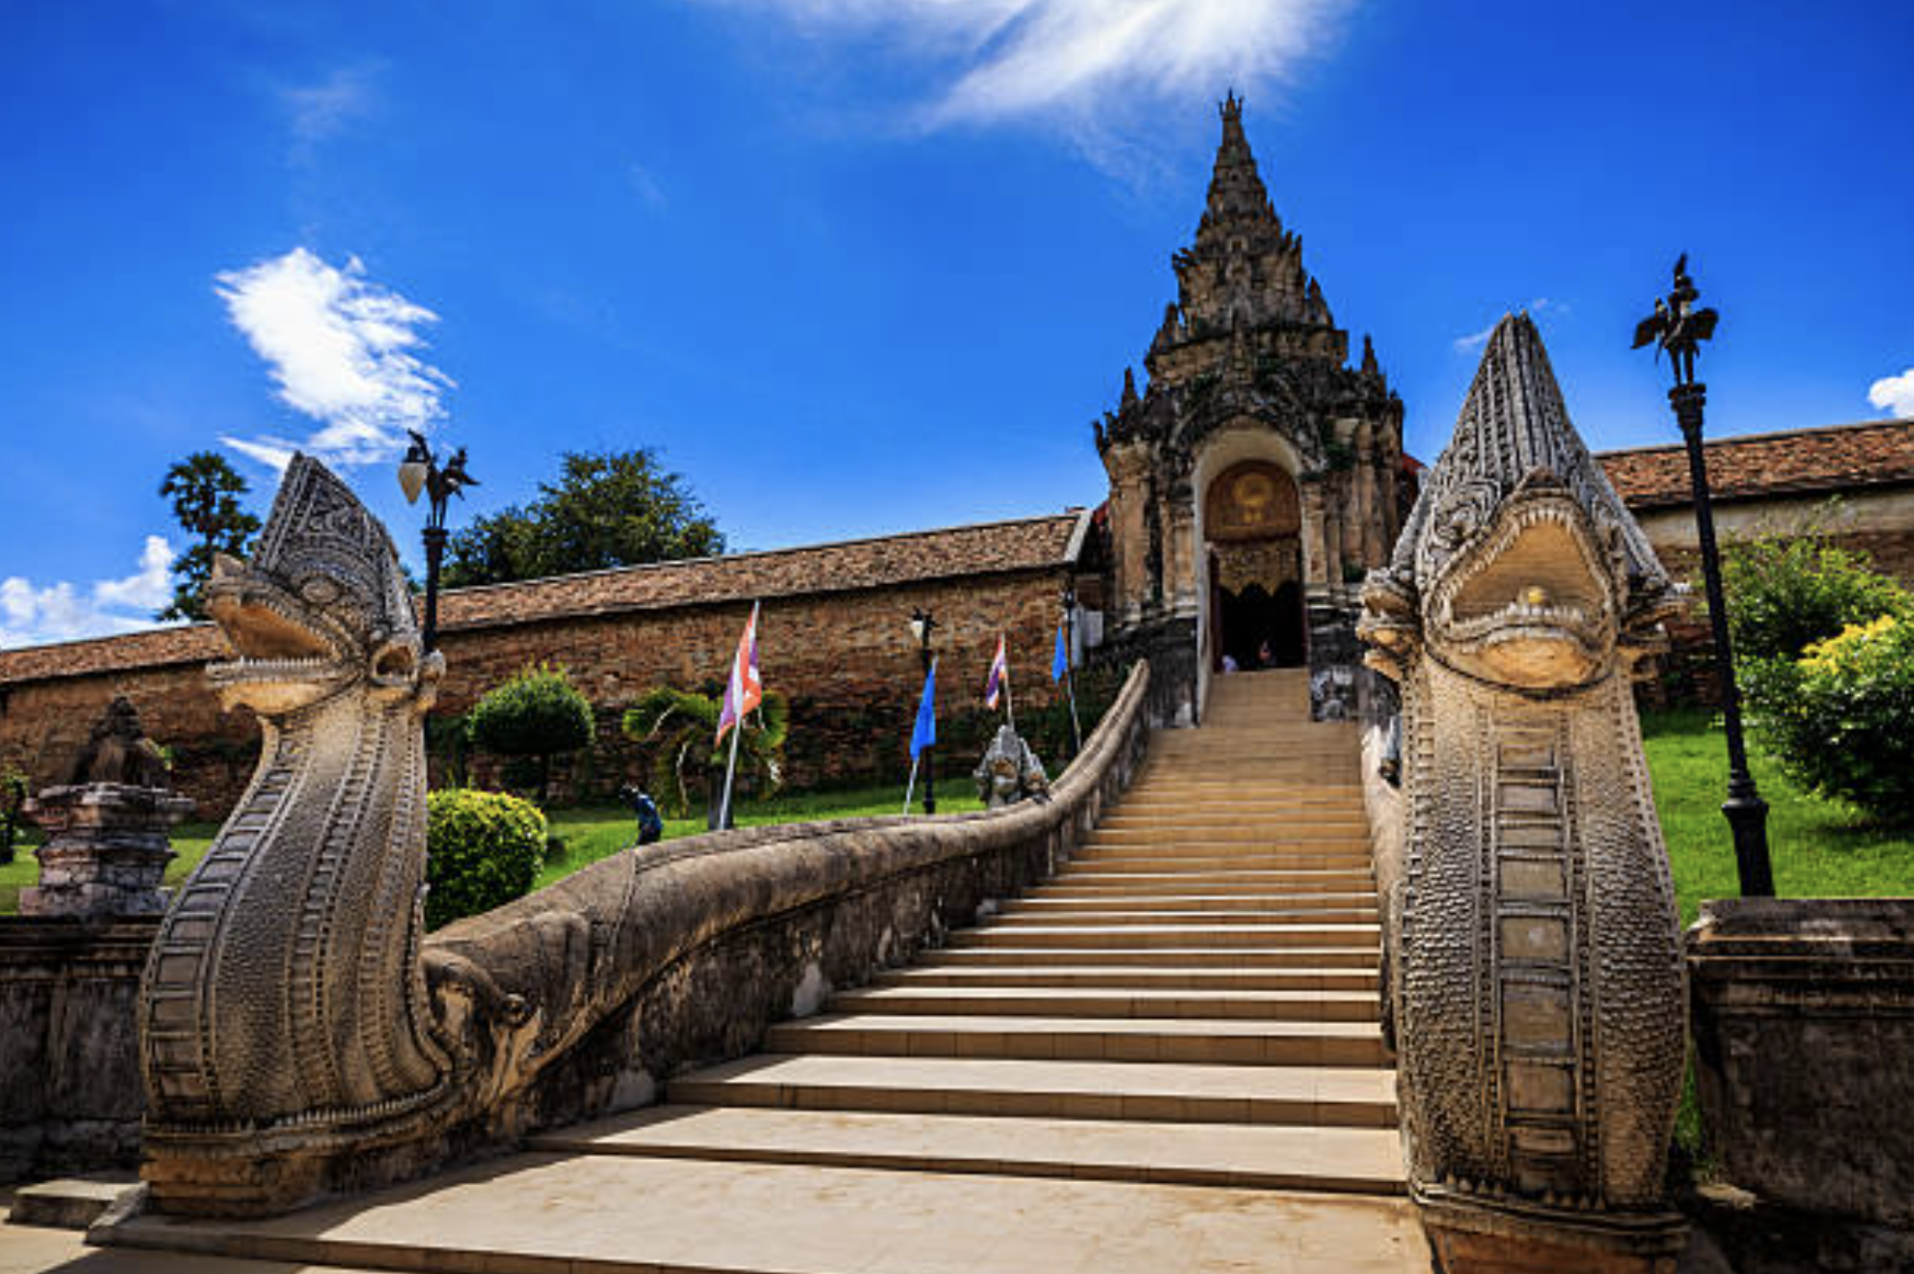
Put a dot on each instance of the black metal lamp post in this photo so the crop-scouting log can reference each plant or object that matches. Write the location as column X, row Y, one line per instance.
column 420, row 471
column 1678, row 327
column 921, row 627
column 1069, row 669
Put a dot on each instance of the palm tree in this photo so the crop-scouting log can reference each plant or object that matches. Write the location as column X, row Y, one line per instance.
column 682, row 724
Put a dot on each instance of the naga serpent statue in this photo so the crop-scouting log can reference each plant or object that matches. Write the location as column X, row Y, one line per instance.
column 301, row 1035
column 1534, row 945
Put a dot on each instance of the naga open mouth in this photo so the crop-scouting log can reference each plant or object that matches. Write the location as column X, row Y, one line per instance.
column 285, row 655
column 1530, row 604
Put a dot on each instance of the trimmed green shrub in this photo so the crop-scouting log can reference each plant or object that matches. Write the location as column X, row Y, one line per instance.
column 1787, row 592
column 1841, row 717
column 536, row 715
column 13, row 800
column 483, row 849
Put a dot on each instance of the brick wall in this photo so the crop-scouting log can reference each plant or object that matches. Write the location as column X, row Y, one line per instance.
column 846, row 660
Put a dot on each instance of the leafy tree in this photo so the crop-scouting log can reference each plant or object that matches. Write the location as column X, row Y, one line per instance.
column 682, row 725
column 538, row 714
column 205, row 492
column 1786, row 592
column 608, row 508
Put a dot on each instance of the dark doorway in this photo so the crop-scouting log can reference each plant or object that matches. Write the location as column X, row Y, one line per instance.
column 1254, row 616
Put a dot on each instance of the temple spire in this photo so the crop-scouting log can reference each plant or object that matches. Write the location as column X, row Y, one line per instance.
column 1237, row 193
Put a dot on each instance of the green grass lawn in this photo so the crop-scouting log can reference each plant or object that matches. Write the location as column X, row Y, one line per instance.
column 590, row 832
column 1819, row 848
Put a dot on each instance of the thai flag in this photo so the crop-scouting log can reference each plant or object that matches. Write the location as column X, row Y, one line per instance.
column 999, row 674
column 745, row 690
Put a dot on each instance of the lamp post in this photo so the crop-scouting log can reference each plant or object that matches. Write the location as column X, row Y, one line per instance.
column 420, row 471
column 922, row 624
column 1069, row 665
column 1679, row 328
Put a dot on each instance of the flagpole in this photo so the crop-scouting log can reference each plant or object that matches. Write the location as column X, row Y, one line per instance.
column 1069, row 669
column 737, row 725
column 911, row 787
column 730, row 772
column 1010, row 707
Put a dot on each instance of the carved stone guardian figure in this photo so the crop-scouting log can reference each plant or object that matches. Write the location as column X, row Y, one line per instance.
column 1535, row 954
column 1009, row 771
column 107, row 848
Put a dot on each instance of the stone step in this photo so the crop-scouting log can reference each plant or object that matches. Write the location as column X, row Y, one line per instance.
column 1168, row 901
column 1134, row 977
column 1356, row 1096
column 1313, row 1005
column 1239, row 829
column 1012, row 933
column 1200, row 844
column 1223, row 807
column 1268, row 913
column 1083, row 881
column 1130, row 860
column 1238, row 1041
column 1268, row 1157
column 619, row 1214
column 1198, row 955
column 1209, row 822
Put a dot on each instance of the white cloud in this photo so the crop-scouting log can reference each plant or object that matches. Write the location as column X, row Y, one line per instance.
column 1079, row 62
column 1894, row 394
column 340, row 348
column 1539, row 306
column 318, row 111
column 32, row 615
column 646, row 187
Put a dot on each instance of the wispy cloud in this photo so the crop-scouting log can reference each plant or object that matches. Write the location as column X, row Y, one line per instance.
column 1090, row 66
column 32, row 615
column 1894, row 394
column 322, row 109
column 646, row 187
column 1476, row 340
column 341, row 351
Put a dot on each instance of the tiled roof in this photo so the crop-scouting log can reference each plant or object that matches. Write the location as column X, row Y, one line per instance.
column 917, row 556
column 1836, row 458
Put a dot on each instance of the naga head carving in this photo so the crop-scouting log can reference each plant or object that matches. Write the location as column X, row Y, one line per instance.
column 321, row 607
column 1520, row 565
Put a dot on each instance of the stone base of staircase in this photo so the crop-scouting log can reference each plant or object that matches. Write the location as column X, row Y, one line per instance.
column 1166, row 1058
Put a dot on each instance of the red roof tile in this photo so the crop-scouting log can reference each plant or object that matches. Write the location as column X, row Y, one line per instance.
column 1836, row 458
column 917, row 556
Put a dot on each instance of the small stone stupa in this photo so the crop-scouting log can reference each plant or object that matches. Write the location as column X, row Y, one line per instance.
column 107, row 846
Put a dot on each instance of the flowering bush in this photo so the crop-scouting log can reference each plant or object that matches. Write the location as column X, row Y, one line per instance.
column 1786, row 592
column 1841, row 717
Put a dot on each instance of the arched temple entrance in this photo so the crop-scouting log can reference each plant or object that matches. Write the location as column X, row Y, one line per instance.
column 1253, row 522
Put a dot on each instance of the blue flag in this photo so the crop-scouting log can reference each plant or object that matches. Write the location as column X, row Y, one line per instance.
column 925, row 733
column 1061, row 663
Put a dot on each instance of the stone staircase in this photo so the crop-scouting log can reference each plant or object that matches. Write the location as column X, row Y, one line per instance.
column 1166, row 1057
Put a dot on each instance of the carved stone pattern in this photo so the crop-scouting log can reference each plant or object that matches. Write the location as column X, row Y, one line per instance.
column 1270, row 563
column 1536, row 963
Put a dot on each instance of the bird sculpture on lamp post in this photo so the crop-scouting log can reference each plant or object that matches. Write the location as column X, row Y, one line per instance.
column 1679, row 327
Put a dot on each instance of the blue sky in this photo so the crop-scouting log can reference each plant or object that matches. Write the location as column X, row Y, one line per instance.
column 858, row 266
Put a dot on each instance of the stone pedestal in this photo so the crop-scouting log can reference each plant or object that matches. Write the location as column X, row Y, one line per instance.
column 106, row 850
column 1804, row 1048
